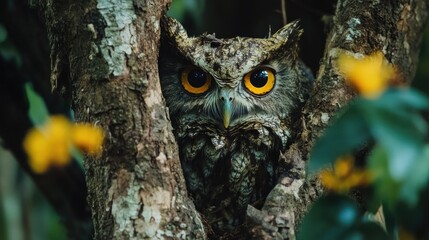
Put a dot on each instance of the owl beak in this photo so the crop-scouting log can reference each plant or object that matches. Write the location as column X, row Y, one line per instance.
column 226, row 108
column 226, row 113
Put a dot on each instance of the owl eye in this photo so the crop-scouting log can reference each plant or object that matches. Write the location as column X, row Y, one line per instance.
column 195, row 80
column 260, row 81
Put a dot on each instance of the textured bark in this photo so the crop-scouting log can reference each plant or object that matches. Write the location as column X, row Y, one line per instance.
column 104, row 55
column 363, row 27
column 359, row 27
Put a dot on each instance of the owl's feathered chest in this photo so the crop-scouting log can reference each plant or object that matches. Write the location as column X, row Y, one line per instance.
column 227, row 170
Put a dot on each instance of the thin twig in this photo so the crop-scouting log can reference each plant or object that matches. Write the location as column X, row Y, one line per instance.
column 284, row 11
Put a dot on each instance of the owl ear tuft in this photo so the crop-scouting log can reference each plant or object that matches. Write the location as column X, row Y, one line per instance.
column 174, row 31
column 287, row 35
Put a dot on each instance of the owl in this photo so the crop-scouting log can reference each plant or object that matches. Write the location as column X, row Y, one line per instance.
column 231, row 103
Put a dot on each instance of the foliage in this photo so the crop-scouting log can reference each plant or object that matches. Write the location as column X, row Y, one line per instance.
column 388, row 129
column 16, row 189
column 23, row 209
column 338, row 217
column 184, row 10
column 44, row 143
column 55, row 140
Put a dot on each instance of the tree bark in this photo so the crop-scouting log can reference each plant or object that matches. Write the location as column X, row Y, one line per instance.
column 359, row 27
column 104, row 56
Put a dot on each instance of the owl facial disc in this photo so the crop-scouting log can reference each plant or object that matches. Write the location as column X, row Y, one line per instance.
column 233, row 104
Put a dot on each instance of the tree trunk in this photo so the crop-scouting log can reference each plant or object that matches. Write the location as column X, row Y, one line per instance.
column 360, row 27
column 104, row 56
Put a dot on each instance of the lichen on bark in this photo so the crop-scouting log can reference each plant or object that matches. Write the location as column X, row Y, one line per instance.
column 107, row 51
column 359, row 27
column 120, row 38
column 104, row 53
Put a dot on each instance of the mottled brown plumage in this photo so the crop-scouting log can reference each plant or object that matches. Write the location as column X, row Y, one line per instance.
column 230, row 132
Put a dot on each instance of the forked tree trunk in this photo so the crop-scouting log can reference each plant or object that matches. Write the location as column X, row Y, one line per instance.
column 104, row 55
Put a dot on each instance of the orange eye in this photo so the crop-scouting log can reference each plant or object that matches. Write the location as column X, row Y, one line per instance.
column 260, row 81
column 195, row 80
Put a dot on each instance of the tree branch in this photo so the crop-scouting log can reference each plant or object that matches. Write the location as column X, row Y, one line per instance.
column 394, row 27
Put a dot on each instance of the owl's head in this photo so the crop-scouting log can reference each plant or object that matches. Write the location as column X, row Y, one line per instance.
column 228, row 79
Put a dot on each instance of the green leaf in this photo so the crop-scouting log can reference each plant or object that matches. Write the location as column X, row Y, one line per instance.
column 402, row 139
column 346, row 134
column 386, row 187
column 177, row 10
column 407, row 189
column 416, row 178
column 393, row 120
column 400, row 131
column 396, row 98
column 338, row 217
column 330, row 217
column 37, row 112
column 366, row 231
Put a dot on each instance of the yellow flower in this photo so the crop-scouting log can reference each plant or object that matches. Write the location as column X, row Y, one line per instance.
column 344, row 176
column 50, row 145
column 370, row 75
column 88, row 138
